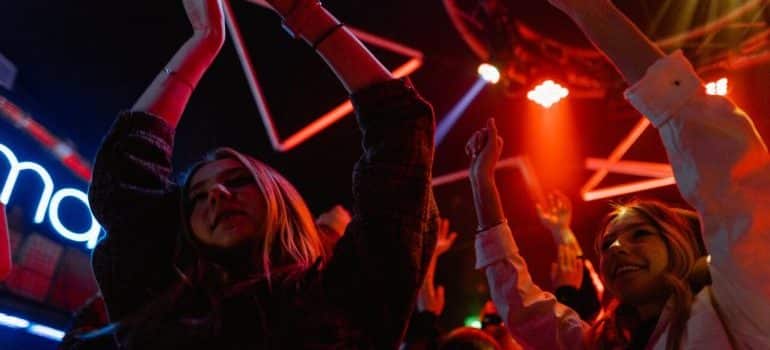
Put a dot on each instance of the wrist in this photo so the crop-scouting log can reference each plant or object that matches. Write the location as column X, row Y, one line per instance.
column 208, row 41
column 482, row 178
column 309, row 20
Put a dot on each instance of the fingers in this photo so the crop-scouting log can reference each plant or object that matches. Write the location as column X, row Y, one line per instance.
column 492, row 126
column 473, row 147
column 451, row 239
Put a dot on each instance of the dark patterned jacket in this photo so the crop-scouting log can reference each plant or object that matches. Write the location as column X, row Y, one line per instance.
column 362, row 298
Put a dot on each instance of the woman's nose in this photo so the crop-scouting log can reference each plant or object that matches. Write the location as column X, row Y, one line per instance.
column 217, row 192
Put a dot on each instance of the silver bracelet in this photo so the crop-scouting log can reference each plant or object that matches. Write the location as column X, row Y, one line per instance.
column 176, row 76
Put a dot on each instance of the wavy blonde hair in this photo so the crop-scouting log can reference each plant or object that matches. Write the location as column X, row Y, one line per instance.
column 291, row 238
column 683, row 247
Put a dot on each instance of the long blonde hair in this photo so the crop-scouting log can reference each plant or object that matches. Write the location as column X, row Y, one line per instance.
column 291, row 238
column 678, row 234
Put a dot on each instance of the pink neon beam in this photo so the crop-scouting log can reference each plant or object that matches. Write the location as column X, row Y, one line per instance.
column 631, row 167
column 513, row 162
column 63, row 152
column 328, row 118
column 617, row 154
column 628, row 188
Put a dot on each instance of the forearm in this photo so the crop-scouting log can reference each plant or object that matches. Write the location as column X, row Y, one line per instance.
column 565, row 235
column 486, row 201
column 169, row 92
column 618, row 38
column 350, row 60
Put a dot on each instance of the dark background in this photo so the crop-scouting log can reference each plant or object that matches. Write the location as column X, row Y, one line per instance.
column 82, row 61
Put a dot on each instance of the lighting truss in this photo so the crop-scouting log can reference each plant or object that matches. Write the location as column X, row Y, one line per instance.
column 60, row 149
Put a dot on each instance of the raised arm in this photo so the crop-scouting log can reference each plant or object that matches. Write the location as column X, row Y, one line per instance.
column 534, row 317
column 132, row 194
column 614, row 34
column 720, row 162
column 572, row 274
column 168, row 94
column 380, row 262
column 350, row 60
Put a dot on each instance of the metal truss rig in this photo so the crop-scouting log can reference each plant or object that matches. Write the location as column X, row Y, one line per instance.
column 485, row 18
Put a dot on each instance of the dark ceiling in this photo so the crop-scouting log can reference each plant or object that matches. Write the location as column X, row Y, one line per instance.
column 82, row 61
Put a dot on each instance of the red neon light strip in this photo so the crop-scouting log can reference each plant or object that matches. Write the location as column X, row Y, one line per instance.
column 327, row 119
column 629, row 167
column 617, row 154
column 513, row 162
column 628, row 188
column 63, row 152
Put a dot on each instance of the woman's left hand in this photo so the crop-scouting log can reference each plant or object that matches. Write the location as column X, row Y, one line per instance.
column 445, row 239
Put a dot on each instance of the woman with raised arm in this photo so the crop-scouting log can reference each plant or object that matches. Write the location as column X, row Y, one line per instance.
column 230, row 258
column 649, row 251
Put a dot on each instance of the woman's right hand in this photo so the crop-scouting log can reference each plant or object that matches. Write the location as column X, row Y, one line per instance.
column 484, row 149
column 207, row 19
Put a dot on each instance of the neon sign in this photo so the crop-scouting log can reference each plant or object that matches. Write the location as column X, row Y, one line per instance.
column 50, row 202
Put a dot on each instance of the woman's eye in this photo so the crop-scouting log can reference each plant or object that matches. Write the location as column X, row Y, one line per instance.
column 606, row 244
column 239, row 181
column 641, row 233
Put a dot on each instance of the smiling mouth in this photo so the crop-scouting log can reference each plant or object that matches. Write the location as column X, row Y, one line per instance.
column 625, row 269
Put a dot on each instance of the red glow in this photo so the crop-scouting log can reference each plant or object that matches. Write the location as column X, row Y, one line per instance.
column 551, row 145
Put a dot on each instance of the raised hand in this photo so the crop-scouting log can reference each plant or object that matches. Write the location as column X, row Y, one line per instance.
column 336, row 218
column 445, row 239
column 206, row 18
column 568, row 268
column 556, row 212
column 484, row 148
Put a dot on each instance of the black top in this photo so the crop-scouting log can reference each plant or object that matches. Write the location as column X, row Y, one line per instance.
column 362, row 298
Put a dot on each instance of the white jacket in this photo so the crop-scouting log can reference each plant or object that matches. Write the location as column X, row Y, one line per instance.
column 722, row 169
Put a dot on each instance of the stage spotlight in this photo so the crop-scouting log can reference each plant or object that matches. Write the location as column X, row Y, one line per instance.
column 489, row 73
column 718, row 87
column 547, row 93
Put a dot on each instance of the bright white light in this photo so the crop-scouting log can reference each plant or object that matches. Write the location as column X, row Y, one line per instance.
column 48, row 199
column 13, row 321
column 489, row 73
column 17, row 167
column 46, row 332
column 89, row 236
column 476, row 324
column 547, row 93
column 718, row 87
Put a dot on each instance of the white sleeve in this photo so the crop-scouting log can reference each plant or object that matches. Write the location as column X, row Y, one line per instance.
column 722, row 168
column 534, row 317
